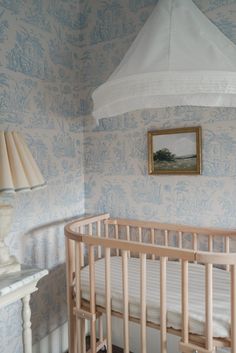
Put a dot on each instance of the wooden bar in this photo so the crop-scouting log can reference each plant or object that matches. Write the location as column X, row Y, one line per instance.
column 83, row 336
column 128, row 237
column 194, row 243
column 227, row 245
column 108, row 298
column 81, row 249
column 143, row 304
column 117, row 237
column 85, row 221
column 99, row 236
column 125, row 300
column 78, row 294
column 70, row 304
column 92, row 298
column 84, row 314
column 173, row 227
column 185, row 299
column 171, row 252
column 210, row 243
column 166, row 237
column 106, row 230
column 209, row 306
column 140, row 235
column 180, row 241
column 153, row 241
column 194, row 239
column 233, row 308
column 127, row 233
column 163, row 310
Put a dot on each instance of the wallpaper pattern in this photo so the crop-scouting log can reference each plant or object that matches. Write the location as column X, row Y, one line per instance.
column 53, row 53
column 115, row 152
column 39, row 97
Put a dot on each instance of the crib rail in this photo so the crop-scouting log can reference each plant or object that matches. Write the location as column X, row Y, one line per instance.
column 101, row 236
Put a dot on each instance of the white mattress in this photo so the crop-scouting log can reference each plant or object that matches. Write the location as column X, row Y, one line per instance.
column 221, row 293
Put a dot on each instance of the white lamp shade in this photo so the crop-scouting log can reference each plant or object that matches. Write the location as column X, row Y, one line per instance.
column 18, row 169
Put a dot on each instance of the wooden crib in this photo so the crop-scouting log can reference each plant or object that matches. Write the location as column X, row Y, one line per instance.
column 91, row 240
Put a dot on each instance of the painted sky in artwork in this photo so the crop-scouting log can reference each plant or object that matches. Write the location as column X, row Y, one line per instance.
column 179, row 144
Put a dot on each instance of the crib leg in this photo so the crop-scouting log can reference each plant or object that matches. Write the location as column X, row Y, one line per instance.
column 72, row 333
column 83, row 336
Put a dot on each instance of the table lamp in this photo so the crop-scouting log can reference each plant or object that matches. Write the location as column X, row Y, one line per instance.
column 18, row 173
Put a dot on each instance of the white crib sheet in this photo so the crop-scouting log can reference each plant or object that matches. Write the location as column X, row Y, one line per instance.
column 221, row 293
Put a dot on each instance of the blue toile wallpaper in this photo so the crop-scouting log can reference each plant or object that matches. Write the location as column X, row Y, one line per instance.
column 39, row 96
column 53, row 53
column 115, row 153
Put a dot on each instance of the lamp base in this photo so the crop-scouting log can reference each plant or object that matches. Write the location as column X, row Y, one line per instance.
column 8, row 263
column 11, row 266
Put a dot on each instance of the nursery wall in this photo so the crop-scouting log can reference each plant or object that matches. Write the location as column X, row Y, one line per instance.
column 39, row 98
column 115, row 153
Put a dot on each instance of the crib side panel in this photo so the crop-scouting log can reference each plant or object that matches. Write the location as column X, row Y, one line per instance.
column 106, row 238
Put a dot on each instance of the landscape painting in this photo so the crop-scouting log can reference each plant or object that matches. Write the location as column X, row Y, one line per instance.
column 175, row 151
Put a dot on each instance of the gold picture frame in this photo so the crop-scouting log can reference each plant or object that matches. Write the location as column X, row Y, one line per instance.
column 175, row 151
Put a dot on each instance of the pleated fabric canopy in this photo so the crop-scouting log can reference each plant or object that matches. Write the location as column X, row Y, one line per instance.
column 179, row 58
column 18, row 169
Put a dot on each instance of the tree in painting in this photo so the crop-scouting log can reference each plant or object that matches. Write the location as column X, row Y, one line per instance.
column 164, row 155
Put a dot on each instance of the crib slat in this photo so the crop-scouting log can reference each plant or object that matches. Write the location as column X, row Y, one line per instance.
column 125, row 300
column 99, row 236
column 108, row 298
column 78, row 295
column 194, row 241
column 69, row 277
column 81, row 229
column 80, row 262
column 128, row 233
column 92, row 298
column 140, row 235
column 227, row 249
column 210, row 243
column 128, row 236
column 83, row 336
column 153, row 240
column 233, row 308
column 185, row 334
column 143, row 285
column 166, row 237
column 209, row 306
column 106, row 230
column 117, row 237
column 163, row 330
column 180, row 241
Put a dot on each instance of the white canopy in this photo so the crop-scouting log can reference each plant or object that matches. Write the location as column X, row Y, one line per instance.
column 178, row 58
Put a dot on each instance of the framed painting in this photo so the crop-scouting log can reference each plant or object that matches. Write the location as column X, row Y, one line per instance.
column 175, row 151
